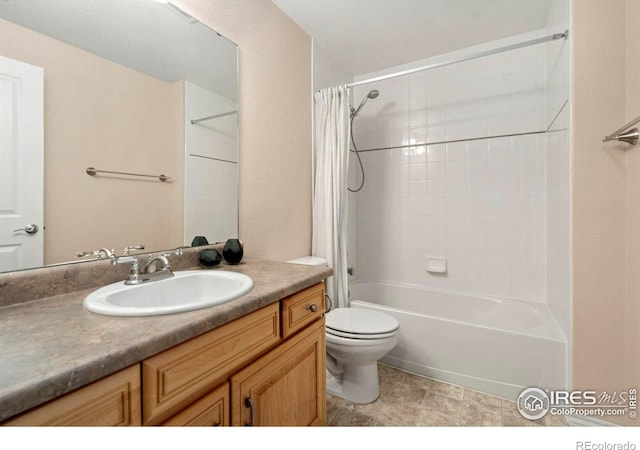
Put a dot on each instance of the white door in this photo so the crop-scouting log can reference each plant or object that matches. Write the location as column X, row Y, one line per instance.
column 21, row 165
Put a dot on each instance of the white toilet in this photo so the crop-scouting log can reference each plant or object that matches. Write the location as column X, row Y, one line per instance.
column 356, row 339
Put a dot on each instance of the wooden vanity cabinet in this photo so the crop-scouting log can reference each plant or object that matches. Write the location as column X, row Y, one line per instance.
column 255, row 370
column 111, row 401
column 270, row 363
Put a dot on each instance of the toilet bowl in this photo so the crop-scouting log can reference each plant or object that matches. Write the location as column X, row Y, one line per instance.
column 356, row 339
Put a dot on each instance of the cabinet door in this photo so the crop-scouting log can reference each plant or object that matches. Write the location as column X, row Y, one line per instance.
column 286, row 387
column 114, row 400
column 210, row 411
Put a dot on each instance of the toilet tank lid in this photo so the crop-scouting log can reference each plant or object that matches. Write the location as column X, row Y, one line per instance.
column 309, row 261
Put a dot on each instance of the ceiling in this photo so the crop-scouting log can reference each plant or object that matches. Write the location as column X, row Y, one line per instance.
column 145, row 35
column 363, row 36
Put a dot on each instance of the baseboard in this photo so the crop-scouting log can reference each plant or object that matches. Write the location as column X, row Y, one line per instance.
column 497, row 389
column 583, row 421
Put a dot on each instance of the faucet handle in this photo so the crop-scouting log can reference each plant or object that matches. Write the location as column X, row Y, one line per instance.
column 177, row 251
column 134, row 272
column 127, row 250
column 102, row 253
column 105, row 253
column 124, row 259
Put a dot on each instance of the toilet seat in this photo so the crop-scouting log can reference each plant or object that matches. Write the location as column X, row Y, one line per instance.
column 358, row 323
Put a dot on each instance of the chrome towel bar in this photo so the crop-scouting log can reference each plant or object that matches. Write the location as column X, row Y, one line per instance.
column 625, row 133
column 215, row 116
column 92, row 171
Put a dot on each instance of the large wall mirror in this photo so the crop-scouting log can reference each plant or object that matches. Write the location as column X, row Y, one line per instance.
column 134, row 89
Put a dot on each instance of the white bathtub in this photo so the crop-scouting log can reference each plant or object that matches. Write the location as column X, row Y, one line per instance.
column 495, row 346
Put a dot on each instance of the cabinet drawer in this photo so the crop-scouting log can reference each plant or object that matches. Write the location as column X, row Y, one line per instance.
column 301, row 309
column 111, row 401
column 181, row 375
column 210, row 411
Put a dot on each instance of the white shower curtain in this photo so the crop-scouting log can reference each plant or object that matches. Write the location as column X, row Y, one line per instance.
column 331, row 159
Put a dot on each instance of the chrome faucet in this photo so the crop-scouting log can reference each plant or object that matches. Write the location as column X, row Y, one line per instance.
column 150, row 272
column 151, row 269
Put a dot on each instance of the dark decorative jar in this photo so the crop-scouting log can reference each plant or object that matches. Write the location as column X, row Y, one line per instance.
column 209, row 258
column 232, row 251
column 199, row 241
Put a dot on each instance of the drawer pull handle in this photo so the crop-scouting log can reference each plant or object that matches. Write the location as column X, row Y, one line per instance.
column 312, row 307
column 248, row 403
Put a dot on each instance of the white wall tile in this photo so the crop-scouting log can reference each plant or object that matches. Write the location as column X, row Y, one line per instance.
column 418, row 100
column 456, row 151
column 477, row 167
column 437, row 170
column 436, row 153
column 418, row 118
column 436, row 206
column 418, row 189
column 418, row 171
column 456, row 187
column 456, row 225
column 436, row 188
column 456, row 206
column 477, row 127
column 457, row 168
column 483, row 204
column 437, row 133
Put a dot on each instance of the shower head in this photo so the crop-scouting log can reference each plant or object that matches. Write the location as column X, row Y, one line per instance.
column 371, row 95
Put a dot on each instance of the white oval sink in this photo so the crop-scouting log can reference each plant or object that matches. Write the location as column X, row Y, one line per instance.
column 185, row 291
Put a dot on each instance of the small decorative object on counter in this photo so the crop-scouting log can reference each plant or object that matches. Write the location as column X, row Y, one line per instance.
column 198, row 241
column 232, row 251
column 209, row 258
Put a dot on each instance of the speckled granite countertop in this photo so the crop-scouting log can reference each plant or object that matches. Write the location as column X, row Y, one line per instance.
column 51, row 346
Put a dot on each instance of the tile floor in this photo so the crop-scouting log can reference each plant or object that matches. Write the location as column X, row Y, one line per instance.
column 411, row 400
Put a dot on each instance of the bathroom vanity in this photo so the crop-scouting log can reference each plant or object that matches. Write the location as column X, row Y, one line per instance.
column 257, row 360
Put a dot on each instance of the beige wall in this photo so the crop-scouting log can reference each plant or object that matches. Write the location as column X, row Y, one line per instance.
column 275, row 123
column 605, row 222
column 103, row 115
column 633, row 198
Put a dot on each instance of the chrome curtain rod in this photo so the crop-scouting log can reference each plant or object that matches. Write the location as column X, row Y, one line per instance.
column 453, row 141
column 92, row 172
column 552, row 37
column 215, row 116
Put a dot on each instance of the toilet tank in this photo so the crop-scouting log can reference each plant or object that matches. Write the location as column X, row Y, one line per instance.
column 309, row 261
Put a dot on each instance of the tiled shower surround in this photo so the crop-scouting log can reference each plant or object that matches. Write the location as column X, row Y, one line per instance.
column 480, row 201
